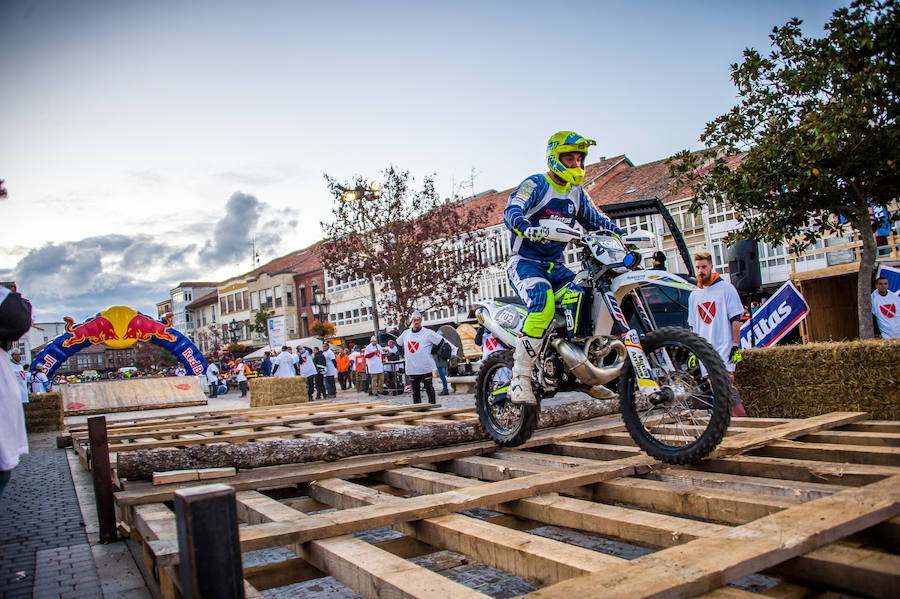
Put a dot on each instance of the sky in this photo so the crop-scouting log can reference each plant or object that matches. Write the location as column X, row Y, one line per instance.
column 148, row 143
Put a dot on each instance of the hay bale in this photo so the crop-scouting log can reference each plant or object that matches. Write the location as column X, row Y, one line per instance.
column 44, row 412
column 277, row 390
column 799, row 381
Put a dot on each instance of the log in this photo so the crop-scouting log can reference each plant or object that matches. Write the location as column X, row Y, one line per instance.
column 141, row 464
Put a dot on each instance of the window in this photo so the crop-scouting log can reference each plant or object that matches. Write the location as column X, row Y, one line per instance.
column 289, row 296
column 277, row 296
column 720, row 211
column 231, row 302
column 254, row 300
column 187, row 296
column 302, row 294
column 238, row 301
column 265, row 298
column 246, row 299
column 223, row 305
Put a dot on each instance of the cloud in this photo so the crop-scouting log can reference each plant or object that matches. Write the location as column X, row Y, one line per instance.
column 237, row 230
column 78, row 278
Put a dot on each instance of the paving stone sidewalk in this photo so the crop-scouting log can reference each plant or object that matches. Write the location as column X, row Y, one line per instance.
column 44, row 550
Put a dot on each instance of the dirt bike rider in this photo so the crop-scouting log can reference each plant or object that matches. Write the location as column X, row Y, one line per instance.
column 536, row 266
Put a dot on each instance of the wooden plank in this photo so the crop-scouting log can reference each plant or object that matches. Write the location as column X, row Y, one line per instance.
column 415, row 508
column 877, row 456
column 810, row 471
column 366, row 569
column 288, row 475
column 535, row 558
column 704, row 564
column 789, row 430
column 853, row 438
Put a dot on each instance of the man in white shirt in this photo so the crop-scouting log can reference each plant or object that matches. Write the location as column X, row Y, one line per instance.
column 284, row 364
column 212, row 378
column 16, row 360
column 15, row 320
column 330, row 371
column 886, row 309
column 307, row 369
column 714, row 313
column 180, row 371
column 417, row 343
column 374, row 366
column 39, row 381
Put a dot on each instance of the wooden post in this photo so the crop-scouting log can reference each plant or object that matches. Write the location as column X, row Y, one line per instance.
column 102, row 475
column 209, row 548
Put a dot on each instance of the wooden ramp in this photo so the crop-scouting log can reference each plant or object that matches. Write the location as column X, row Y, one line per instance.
column 811, row 505
column 126, row 395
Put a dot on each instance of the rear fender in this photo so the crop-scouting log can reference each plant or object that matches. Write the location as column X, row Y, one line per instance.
column 503, row 320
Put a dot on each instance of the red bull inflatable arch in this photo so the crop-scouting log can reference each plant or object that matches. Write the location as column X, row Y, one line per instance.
column 119, row 327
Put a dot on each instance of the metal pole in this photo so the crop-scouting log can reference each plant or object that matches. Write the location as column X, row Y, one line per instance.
column 374, row 306
column 102, row 476
column 209, row 548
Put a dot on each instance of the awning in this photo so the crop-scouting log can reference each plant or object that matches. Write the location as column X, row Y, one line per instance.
column 306, row 342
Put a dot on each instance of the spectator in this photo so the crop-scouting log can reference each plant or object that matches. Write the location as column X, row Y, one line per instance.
column 15, row 320
column 441, row 364
column 330, row 370
column 180, row 371
column 417, row 343
column 374, row 367
column 392, row 360
column 241, row 371
column 343, row 369
column 284, row 365
column 885, row 304
column 659, row 261
column 321, row 368
column 714, row 313
column 307, row 369
column 16, row 357
column 38, row 380
column 488, row 343
column 266, row 366
column 212, row 377
column 359, row 368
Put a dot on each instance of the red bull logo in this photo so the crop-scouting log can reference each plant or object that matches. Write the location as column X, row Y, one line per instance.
column 194, row 363
column 96, row 330
column 144, row 328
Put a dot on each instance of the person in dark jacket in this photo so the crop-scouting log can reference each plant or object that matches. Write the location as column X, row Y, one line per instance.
column 266, row 366
column 321, row 367
column 659, row 260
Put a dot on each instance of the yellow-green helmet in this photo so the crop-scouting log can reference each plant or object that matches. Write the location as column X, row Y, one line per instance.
column 560, row 143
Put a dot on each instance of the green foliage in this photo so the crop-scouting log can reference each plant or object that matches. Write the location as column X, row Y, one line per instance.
column 814, row 135
column 261, row 320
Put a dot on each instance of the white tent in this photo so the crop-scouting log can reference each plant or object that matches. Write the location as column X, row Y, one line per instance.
column 305, row 342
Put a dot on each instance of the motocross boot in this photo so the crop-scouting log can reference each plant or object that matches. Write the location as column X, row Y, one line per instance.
column 525, row 356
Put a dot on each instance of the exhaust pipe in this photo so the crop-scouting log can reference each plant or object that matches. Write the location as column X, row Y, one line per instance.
column 586, row 372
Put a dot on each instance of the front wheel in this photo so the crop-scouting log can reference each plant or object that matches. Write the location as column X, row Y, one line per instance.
column 687, row 419
column 506, row 423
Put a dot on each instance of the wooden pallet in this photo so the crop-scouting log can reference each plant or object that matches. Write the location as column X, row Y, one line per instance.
column 255, row 424
column 814, row 503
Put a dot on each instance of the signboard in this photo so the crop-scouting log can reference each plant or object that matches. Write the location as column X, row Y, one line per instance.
column 276, row 331
column 892, row 275
column 775, row 318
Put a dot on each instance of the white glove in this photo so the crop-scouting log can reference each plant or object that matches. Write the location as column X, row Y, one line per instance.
column 536, row 233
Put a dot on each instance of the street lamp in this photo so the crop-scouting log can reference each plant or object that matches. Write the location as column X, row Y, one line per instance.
column 372, row 192
column 233, row 328
column 321, row 304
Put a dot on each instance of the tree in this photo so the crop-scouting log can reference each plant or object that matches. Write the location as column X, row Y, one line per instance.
column 423, row 248
column 814, row 141
column 261, row 321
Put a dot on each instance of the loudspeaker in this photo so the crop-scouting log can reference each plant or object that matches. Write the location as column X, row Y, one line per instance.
column 743, row 264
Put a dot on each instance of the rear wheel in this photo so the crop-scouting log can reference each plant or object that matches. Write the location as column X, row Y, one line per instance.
column 506, row 423
column 687, row 419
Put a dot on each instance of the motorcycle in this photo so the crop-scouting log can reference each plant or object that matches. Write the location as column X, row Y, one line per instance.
column 674, row 390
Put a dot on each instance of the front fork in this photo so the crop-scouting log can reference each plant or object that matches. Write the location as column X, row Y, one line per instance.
column 647, row 385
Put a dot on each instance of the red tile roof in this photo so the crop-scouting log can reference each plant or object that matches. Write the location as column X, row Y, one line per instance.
column 299, row 262
column 209, row 298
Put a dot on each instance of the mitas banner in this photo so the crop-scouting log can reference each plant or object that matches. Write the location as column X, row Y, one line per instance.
column 775, row 318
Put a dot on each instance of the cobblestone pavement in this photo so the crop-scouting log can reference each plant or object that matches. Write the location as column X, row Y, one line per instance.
column 43, row 544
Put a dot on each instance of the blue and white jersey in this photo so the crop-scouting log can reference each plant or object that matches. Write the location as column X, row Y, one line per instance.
column 536, row 199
